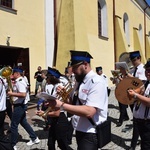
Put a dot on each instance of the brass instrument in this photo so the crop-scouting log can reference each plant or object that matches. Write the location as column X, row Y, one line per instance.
column 6, row 73
column 125, row 84
column 62, row 96
column 116, row 74
column 123, row 58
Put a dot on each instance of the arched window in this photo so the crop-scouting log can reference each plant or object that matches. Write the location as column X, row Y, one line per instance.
column 102, row 19
column 140, row 32
column 126, row 27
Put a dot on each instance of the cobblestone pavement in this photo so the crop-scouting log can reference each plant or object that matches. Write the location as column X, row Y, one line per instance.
column 121, row 136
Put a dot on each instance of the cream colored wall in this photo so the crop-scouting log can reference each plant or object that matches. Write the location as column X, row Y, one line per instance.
column 147, row 36
column 26, row 29
column 80, row 31
column 101, row 50
column 136, row 17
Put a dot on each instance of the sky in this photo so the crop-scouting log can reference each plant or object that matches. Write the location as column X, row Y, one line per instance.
column 148, row 1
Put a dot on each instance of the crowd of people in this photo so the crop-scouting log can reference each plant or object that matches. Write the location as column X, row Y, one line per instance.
column 86, row 99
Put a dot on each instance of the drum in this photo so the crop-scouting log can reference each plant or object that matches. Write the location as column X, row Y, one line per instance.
column 122, row 87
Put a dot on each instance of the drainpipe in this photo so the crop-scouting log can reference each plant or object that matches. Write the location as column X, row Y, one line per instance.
column 145, row 30
column 55, row 35
column 114, row 25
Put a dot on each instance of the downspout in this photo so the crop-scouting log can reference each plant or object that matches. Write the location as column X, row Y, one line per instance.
column 55, row 35
column 145, row 31
column 114, row 25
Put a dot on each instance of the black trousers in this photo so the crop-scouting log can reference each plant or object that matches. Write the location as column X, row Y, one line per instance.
column 144, row 132
column 58, row 132
column 9, row 108
column 135, row 134
column 2, row 118
column 86, row 141
column 123, row 112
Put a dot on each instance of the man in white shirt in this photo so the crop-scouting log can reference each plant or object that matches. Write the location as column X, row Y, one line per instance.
column 92, row 101
column 2, row 105
column 19, row 94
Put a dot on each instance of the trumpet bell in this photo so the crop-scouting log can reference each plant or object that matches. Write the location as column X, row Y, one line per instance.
column 121, row 89
column 63, row 95
column 6, row 72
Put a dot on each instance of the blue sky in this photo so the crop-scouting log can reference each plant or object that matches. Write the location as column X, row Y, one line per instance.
column 148, row 1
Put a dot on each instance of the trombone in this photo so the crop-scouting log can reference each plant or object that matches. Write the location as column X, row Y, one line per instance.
column 6, row 72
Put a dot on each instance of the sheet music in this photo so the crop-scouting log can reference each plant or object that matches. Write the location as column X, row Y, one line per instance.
column 46, row 96
column 122, row 65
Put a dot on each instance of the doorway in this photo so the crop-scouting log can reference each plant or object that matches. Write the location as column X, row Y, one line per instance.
column 15, row 56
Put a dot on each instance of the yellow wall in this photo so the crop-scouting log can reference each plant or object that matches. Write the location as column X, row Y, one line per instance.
column 78, row 29
column 26, row 29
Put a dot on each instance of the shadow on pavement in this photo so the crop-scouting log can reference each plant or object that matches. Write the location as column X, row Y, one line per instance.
column 120, row 141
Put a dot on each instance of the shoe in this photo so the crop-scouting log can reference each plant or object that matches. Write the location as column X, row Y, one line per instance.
column 126, row 119
column 131, row 148
column 119, row 124
column 15, row 147
column 36, row 141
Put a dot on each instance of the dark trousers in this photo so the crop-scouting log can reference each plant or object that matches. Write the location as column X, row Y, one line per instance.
column 19, row 116
column 123, row 112
column 135, row 134
column 58, row 132
column 2, row 118
column 9, row 108
column 144, row 132
column 86, row 141
column 70, row 132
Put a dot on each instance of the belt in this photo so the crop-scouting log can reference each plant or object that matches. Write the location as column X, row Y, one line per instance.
column 142, row 120
column 16, row 105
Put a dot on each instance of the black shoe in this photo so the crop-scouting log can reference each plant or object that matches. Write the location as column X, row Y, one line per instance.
column 126, row 119
column 119, row 124
column 131, row 148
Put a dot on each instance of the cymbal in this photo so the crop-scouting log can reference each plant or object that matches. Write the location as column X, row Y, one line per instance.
column 122, row 87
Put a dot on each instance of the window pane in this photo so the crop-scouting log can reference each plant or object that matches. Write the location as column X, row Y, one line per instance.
column 7, row 3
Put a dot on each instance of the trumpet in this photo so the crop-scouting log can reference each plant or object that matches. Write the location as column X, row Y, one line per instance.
column 62, row 96
column 116, row 74
column 6, row 72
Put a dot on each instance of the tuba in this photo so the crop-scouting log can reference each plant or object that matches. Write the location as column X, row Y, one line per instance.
column 6, row 72
column 63, row 96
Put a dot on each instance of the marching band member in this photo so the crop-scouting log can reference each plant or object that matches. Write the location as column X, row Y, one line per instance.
column 19, row 94
column 122, row 107
column 2, row 105
column 141, row 111
column 59, row 122
column 138, row 71
column 99, row 71
column 92, row 93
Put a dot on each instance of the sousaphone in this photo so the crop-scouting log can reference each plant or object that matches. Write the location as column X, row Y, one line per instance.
column 125, row 84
